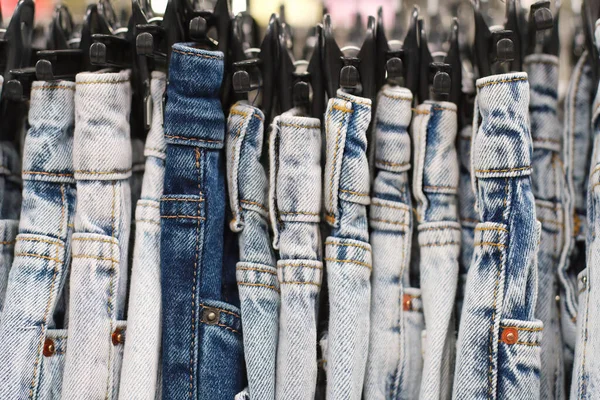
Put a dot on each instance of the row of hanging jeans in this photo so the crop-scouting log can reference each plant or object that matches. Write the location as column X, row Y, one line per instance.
column 438, row 261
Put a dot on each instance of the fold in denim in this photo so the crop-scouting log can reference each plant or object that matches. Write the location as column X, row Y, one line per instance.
column 201, row 333
column 389, row 359
column 498, row 348
column 294, row 209
column 141, row 356
column 98, row 282
column 256, row 271
column 43, row 248
column 548, row 186
column 347, row 249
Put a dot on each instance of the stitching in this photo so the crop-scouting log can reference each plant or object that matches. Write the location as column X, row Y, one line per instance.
column 343, row 109
column 148, row 205
column 8, row 243
column 350, row 262
column 389, row 96
column 523, row 343
column 441, row 228
column 52, row 87
column 376, row 203
column 257, row 270
column 236, row 112
column 101, row 82
column 36, row 256
column 501, row 81
column 444, row 109
column 300, row 265
column 78, row 239
column 116, row 171
column 182, row 200
column 220, row 310
column 195, row 281
column 355, row 193
column 233, row 154
column 499, row 245
column 298, row 213
column 491, row 229
column 334, row 162
column 299, row 126
column 258, row 285
column 300, row 283
column 45, row 173
column 392, row 164
column 522, row 329
column 503, row 170
column 349, row 245
column 420, row 112
column 226, row 327
column 439, row 244
column 440, row 187
column 182, row 216
column 96, row 258
column 35, row 240
column 62, row 209
column 388, row 222
column 194, row 139
column 254, row 203
column 189, row 53
column 148, row 221
column 330, row 218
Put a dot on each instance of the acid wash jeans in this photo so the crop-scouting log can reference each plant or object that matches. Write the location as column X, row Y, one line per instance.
column 435, row 188
column 256, row 271
column 141, row 357
column 391, row 357
column 201, row 335
column 548, row 186
column 498, row 349
column 294, row 210
column 98, row 282
column 33, row 350
column 577, row 138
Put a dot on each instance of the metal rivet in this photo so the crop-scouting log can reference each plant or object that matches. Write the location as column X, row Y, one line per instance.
column 584, row 280
column 211, row 315
column 557, row 298
column 49, row 348
column 118, row 337
column 407, row 302
column 510, row 335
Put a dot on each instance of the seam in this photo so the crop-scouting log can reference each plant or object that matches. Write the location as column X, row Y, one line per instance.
column 349, row 262
column 80, row 239
column 148, row 205
column 501, row 81
column 62, row 208
column 499, row 245
column 343, row 109
column 441, row 228
column 534, row 344
column 300, row 265
column 257, row 270
column 189, row 53
column 299, row 283
column 390, row 96
column 491, row 229
column 444, row 109
column 547, row 140
column 354, row 193
column 254, row 203
column 8, row 243
column 258, row 285
column 549, row 221
column 233, row 154
column 223, row 326
column 439, row 244
column 554, row 208
column 503, row 170
column 116, row 171
column 220, row 310
column 53, row 87
column 148, row 221
column 96, row 258
column 420, row 112
column 183, row 200
column 35, row 240
column 193, row 139
column 182, row 216
column 298, row 213
column 45, row 173
column 299, row 126
column 334, row 166
column 388, row 221
column 195, row 281
column 100, row 82
column 376, row 203
column 522, row 329
column 36, row 256
column 349, row 245
column 440, row 187
column 236, row 112
column 392, row 164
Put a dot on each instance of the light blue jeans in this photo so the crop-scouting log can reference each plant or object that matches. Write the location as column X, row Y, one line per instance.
column 498, row 349
column 294, row 209
column 32, row 349
column 98, row 282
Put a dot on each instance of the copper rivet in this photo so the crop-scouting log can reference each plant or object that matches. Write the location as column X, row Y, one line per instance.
column 49, row 348
column 510, row 335
column 211, row 316
column 118, row 337
column 407, row 302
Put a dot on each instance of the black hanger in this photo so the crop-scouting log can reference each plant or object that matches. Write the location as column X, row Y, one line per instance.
column 61, row 29
column 552, row 41
column 357, row 32
column 590, row 12
column 15, row 45
column 540, row 20
column 286, row 29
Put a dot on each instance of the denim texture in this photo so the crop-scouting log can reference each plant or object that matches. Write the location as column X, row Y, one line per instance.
column 201, row 333
column 390, row 357
column 294, row 208
column 577, row 139
column 256, row 271
column 42, row 250
column 548, row 186
column 435, row 187
column 98, row 282
column 498, row 349
column 141, row 356
column 347, row 250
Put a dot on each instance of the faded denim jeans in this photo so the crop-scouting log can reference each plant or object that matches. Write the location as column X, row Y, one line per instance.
column 498, row 349
column 392, row 357
column 32, row 349
column 141, row 358
column 256, row 271
column 548, row 185
column 98, row 282
column 201, row 333
column 294, row 209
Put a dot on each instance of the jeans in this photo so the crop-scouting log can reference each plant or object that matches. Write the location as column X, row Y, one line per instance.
column 98, row 282
column 32, row 357
column 498, row 349
column 201, row 333
column 548, row 186
column 295, row 205
column 347, row 249
column 141, row 357
column 390, row 357
column 256, row 271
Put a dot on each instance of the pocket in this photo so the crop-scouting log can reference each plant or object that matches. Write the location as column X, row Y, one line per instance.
column 519, row 359
column 52, row 364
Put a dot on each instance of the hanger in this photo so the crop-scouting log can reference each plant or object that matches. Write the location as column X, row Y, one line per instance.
column 286, row 29
column 552, row 41
column 357, row 32
column 61, row 29
column 540, row 21
column 590, row 12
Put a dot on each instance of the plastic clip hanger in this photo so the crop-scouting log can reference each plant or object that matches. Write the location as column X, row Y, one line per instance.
column 590, row 12
column 540, row 20
column 15, row 45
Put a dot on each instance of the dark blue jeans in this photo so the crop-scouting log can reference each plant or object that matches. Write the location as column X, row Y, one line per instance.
column 202, row 342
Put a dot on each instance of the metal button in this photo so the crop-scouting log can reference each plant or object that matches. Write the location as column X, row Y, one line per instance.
column 49, row 348
column 510, row 335
column 118, row 337
column 211, row 315
column 406, row 302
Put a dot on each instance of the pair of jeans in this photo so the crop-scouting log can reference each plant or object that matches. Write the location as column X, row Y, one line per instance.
column 346, row 187
column 140, row 374
column 498, row 349
column 548, row 186
column 577, row 155
column 98, row 282
column 256, row 271
column 32, row 348
column 294, row 209
column 392, row 357
column 201, row 333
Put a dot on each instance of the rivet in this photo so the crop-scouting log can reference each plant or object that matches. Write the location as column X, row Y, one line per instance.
column 584, row 280
column 211, row 316
column 557, row 298
column 118, row 337
column 510, row 335
column 407, row 302
column 49, row 348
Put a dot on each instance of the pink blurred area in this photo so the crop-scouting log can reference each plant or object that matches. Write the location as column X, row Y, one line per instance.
column 43, row 9
column 343, row 11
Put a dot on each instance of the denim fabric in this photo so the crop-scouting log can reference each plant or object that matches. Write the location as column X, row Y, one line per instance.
column 576, row 155
column 347, row 249
column 294, row 209
column 256, row 272
column 42, row 251
column 435, row 186
column 98, row 282
column 548, row 186
column 389, row 359
column 499, row 338
column 201, row 334
column 141, row 356
column 138, row 164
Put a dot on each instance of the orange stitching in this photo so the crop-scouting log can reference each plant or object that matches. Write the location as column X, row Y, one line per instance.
column 52, row 87
column 193, row 139
column 300, row 283
column 299, row 126
column 258, row 285
column 100, row 82
column 45, row 173
column 148, row 221
column 503, row 170
column 182, row 216
column 116, row 171
column 330, row 218
column 420, row 112
column 300, row 265
column 298, row 213
column 348, row 245
column 224, row 326
column 350, row 262
column 36, row 256
column 439, row 244
column 389, row 96
column 354, row 193
column 257, row 270
column 182, row 200
column 342, row 109
column 491, row 229
column 501, row 81
column 523, row 329
column 236, row 112
column 392, row 164
column 80, row 239
column 189, row 53
column 21, row 239
column 388, row 222
column 376, row 203
column 7, row 243
column 500, row 245
column 254, row 203
column 96, row 258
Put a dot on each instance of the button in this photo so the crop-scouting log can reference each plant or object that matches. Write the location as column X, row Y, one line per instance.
column 49, row 348
column 510, row 335
column 118, row 337
column 407, row 302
